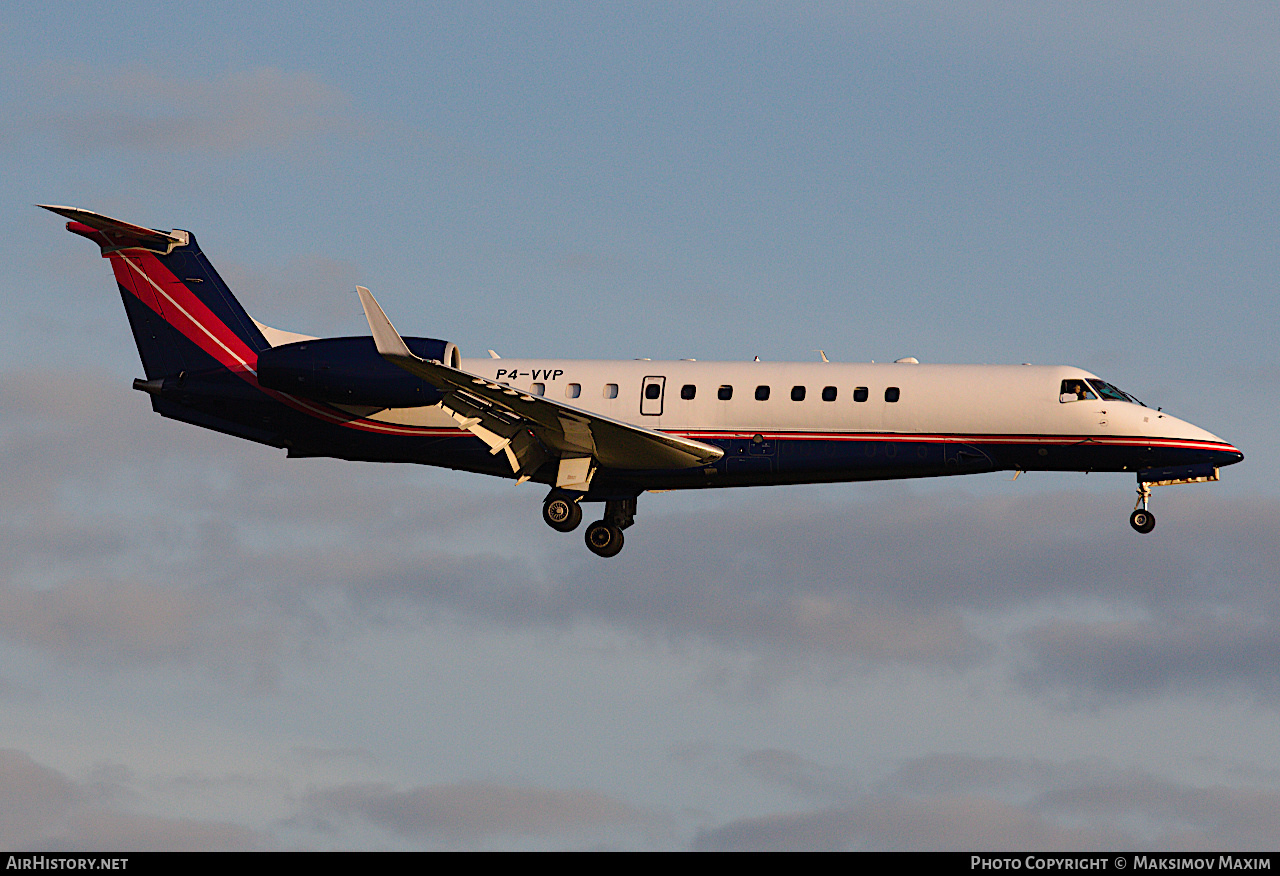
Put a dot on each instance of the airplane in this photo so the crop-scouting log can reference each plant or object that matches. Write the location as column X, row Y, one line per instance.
column 607, row 431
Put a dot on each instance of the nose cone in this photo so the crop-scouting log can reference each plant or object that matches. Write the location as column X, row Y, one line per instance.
column 1228, row 455
column 1219, row 452
column 1178, row 442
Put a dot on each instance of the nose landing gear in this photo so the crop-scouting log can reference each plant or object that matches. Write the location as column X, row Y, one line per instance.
column 1141, row 519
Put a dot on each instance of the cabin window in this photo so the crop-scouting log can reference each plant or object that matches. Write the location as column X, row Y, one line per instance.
column 725, row 393
column 538, row 389
column 653, row 390
column 891, row 394
column 688, row 391
column 762, row 393
column 828, row 393
column 797, row 393
column 860, row 394
column 573, row 390
column 611, row 390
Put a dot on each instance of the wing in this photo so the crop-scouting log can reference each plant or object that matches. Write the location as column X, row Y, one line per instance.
column 531, row 429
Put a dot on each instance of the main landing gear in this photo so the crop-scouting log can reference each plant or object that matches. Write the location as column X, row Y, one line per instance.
column 561, row 511
column 1141, row 519
column 604, row 539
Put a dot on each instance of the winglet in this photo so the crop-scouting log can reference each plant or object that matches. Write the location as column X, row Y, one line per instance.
column 385, row 336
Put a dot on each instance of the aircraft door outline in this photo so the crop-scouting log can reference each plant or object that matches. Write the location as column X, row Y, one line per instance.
column 652, row 390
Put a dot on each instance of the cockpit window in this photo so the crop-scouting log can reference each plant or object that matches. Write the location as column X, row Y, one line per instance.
column 1076, row 389
column 1092, row 389
column 1106, row 390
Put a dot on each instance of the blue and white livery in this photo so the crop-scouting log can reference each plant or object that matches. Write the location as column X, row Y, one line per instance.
column 606, row 431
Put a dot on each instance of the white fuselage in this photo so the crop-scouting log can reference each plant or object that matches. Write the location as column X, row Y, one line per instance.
column 976, row 401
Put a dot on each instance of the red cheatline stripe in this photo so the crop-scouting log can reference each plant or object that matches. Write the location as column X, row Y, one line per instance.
column 365, row 425
column 1065, row 440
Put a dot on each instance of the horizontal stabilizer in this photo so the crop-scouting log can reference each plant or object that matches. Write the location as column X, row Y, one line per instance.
column 118, row 234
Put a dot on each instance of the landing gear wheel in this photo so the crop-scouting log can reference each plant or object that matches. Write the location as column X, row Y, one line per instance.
column 561, row 513
column 604, row 539
column 1142, row 520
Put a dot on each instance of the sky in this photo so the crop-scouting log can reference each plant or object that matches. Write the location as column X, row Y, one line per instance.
column 204, row 645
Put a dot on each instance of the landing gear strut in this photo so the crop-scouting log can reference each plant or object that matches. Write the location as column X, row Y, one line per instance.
column 604, row 537
column 1141, row 519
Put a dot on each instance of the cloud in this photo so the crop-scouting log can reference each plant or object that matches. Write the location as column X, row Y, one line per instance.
column 129, row 621
column 151, row 111
column 46, row 811
column 153, row 538
column 137, row 539
column 892, row 823
column 955, row 774
column 1124, row 659
column 788, row 770
column 745, row 612
column 472, row 811
column 115, row 831
column 32, row 797
column 1190, row 817
column 956, row 802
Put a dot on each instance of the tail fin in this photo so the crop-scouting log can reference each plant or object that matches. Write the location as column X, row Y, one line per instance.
column 184, row 318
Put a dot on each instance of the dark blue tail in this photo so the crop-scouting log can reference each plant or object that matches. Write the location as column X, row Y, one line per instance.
column 184, row 318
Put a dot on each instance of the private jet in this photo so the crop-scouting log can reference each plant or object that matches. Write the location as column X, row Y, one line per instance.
column 596, row 431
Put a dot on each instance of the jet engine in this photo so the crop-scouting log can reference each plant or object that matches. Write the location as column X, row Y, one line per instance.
column 351, row 371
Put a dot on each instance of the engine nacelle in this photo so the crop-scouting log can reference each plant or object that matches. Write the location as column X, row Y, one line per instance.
column 351, row 371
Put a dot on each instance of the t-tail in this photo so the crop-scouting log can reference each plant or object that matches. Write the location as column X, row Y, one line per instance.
column 207, row 362
column 199, row 348
column 184, row 318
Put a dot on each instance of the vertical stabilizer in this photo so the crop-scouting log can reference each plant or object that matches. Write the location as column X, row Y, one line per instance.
column 183, row 316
